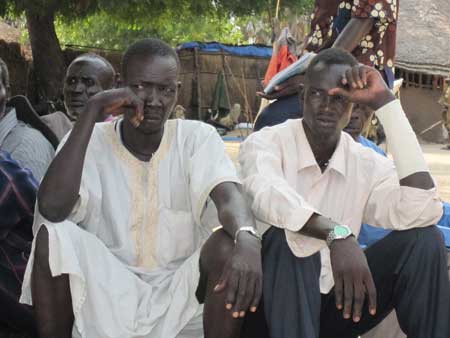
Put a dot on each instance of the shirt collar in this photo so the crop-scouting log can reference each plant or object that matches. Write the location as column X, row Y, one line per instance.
column 307, row 159
column 7, row 123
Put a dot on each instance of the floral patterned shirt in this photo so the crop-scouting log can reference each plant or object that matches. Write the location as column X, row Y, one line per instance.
column 377, row 48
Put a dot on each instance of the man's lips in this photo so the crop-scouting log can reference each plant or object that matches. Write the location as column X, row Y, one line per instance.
column 326, row 120
column 77, row 104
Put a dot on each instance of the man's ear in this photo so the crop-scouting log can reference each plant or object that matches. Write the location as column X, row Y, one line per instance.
column 8, row 92
column 178, row 84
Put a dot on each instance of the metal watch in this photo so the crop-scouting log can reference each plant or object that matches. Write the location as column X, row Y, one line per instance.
column 340, row 231
column 251, row 230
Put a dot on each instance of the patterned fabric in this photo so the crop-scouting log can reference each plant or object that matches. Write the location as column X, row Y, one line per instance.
column 377, row 49
column 26, row 145
column 17, row 197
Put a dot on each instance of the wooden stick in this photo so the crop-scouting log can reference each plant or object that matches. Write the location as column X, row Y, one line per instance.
column 278, row 9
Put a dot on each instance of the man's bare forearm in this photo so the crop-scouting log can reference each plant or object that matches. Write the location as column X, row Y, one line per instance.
column 58, row 192
column 232, row 208
column 355, row 30
column 318, row 227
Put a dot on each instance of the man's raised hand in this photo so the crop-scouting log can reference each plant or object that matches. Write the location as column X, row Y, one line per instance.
column 116, row 102
column 364, row 85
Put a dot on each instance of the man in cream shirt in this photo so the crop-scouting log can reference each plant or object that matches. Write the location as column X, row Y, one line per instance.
column 314, row 186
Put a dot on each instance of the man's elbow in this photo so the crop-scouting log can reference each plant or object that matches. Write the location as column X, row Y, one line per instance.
column 51, row 210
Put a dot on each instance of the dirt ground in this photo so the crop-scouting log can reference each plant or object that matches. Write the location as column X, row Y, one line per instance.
column 438, row 160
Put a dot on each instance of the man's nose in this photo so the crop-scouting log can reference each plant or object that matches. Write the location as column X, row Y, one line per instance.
column 78, row 87
column 153, row 97
column 327, row 102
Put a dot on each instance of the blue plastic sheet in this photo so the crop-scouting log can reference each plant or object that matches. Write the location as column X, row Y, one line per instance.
column 244, row 50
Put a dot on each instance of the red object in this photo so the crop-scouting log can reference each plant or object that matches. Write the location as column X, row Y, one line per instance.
column 278, row 62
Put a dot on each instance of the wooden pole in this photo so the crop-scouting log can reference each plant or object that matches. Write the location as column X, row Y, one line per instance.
column 277, row 9
column 199, row 92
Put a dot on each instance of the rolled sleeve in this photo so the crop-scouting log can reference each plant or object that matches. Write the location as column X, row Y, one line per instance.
column 397, row 207
column 274, row 201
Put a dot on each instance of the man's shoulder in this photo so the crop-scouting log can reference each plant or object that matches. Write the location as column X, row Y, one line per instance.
column 365, row 156
column 192, row 129
column 29, row 137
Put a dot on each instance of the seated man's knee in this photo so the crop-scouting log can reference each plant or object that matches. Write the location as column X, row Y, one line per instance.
column 41, row 251
column 429, row 241
column 216, row 251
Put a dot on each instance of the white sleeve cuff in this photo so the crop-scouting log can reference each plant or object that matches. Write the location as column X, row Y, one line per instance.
column 401, row 139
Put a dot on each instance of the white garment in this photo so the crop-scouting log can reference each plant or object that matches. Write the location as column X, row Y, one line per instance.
column 133, row 258
column 286, row 187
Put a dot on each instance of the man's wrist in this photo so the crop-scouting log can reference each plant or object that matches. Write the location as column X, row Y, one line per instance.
column 245, row 234
column 339, row 232
column 383, row 99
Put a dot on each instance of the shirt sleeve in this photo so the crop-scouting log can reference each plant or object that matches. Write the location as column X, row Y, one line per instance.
column 379, row 10
column 34, row 153
column 274, row 201
column 81, row 207
column 209, row 165
column 397, row 207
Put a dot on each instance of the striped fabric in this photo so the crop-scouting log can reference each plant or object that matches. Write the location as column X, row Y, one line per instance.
column 25, row 144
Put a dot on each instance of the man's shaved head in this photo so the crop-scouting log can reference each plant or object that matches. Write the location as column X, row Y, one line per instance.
column 87, row 75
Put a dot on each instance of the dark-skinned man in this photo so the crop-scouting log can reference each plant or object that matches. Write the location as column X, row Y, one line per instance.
column 365, row 28
column 314, row 186
column 25, row 144
column 86, row 76
column 124, row 210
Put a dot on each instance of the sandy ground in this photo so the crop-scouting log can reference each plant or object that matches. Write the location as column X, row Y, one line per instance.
column 438, row 159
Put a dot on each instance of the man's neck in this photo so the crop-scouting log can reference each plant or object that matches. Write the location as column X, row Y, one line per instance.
column 322, row 148
column 142, row 146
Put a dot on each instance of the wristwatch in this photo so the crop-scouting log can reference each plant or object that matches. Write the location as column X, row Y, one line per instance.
column 340, row 231
column 251, row 230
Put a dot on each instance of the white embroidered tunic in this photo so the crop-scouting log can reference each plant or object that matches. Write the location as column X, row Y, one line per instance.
column 131, row 245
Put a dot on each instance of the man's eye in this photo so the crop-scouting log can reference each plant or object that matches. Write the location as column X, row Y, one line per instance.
column 138, row 86
column 90, row 82
column 316, row 93
column 71, row 81
column 167, row 90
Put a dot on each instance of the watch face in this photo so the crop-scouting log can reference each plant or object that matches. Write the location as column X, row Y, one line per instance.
column 341, row 231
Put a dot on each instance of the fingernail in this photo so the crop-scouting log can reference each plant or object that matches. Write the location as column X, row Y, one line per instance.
column 356, row 319
column 216, row 287
column 235, row 314
column 339, row 307
column 229, row 306
column 253, row 309
column 373, row 312
column 346, row 316
column 242, row 314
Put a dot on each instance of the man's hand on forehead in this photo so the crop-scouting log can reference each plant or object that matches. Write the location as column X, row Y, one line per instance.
column 364, row 85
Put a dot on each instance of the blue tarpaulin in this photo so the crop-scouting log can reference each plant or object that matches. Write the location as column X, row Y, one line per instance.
column 243, row 50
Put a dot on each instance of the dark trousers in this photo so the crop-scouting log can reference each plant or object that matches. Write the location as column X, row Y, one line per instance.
column 409, row 269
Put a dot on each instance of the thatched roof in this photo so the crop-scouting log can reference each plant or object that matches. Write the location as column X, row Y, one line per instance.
column 423, row 38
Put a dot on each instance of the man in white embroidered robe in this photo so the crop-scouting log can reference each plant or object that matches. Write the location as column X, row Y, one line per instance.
column 125, row 262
